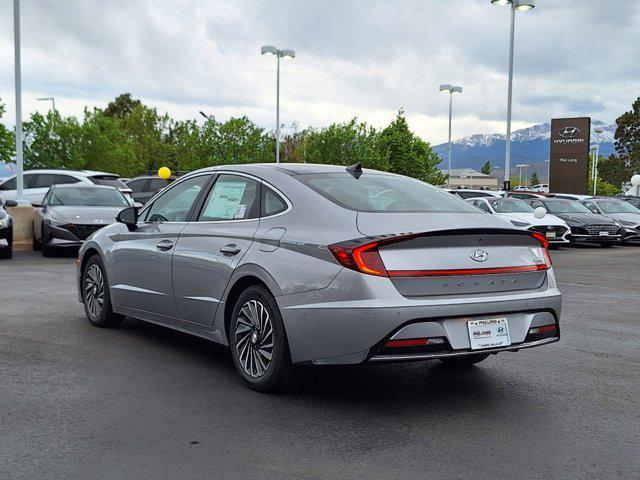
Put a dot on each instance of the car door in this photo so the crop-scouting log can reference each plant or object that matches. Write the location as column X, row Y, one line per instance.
column 143, row 255
column 210, row 247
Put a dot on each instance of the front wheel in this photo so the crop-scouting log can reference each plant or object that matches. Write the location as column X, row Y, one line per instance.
column 465, row 360
column 95, row 295
column 258, row 342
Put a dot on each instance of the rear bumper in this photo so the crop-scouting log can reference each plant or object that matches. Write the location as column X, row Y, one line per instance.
column 347, row 322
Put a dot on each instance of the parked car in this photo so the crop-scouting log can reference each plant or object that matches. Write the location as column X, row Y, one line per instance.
column 465, row 193
column 301, row 264
column 6, row 230
column 69, row 214
column 540, row 187
column 521, row 215
column 585, row 225
column 623, row 212
column 569, row 196
column 635, row 201
column 525, row 195
column 38, row 182
column 145, row 187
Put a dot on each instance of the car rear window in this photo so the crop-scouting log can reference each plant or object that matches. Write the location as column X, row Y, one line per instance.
column 109, row 181
column 374, row 192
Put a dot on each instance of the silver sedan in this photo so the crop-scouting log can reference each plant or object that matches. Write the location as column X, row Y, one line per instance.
column 313, row 264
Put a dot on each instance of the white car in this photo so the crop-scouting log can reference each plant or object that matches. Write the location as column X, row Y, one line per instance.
column 540, row 187
column 38, row 182
column 521, row 215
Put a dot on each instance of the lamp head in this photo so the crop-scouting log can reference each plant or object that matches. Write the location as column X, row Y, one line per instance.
column 635, row 180
column 287, row 53
column 445, row 88
column 456, row 90
column 598, row 130
column 524, row 5
column 501, row 3
column 268, row 50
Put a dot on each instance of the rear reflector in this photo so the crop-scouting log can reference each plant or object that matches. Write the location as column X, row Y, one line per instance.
column 543, row 329
column 414, row 342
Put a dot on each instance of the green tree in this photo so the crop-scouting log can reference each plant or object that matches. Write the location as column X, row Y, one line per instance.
column 486, row 168
column 7, row 139
column 122, row 106
column 407, row 154
column 534, row 180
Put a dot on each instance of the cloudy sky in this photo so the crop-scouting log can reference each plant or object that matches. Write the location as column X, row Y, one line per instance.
column 364, row 58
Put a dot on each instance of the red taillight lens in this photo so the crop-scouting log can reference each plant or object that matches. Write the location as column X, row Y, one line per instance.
column 362, row 258
column 545, row 244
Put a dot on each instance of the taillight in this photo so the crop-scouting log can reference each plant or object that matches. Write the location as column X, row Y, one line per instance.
column 362, row 258
column 545, row 245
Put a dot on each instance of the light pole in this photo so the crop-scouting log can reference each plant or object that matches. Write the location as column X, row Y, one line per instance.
column 548, row 162
column 525, row 165
column 598, row 131
column 49, row 99
column 18, row 80
column 522, row 5
column 450, row 89
column 271, row 50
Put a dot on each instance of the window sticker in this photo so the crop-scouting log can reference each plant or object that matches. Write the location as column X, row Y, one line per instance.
column 224, row 203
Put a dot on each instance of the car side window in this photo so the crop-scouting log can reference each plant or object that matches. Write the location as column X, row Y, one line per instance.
column 232, row 197
column 272, row 203
column 156, row 184
column 483, row 206
column 45, row 180
column 174, row 205
column 591, row 206
column 9, row 185
column 137, row 185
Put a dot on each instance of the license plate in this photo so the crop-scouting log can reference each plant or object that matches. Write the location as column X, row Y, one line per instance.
column 604, row 234
column 3, row 242
column 489, row 333
column 551, row 234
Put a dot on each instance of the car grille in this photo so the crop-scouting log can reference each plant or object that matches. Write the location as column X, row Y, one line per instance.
column 596, row 229
column 558, row 229
column 82, row 231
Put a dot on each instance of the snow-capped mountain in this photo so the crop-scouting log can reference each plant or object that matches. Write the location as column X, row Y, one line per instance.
column 528, row 145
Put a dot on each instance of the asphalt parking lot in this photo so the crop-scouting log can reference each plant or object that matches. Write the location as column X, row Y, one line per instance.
column 144, row 402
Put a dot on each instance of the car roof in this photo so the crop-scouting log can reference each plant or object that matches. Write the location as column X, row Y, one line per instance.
column 84, row 173
column 66, row 186
column 288, row 168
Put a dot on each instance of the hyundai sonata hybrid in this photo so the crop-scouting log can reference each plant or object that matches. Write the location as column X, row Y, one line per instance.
column 294, row 264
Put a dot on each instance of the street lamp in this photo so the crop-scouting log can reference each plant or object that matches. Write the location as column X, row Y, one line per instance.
column 49, row 99
column 522, row 5
column 450, row 89
column 271, row 50
column 525, row 165
column 596, row 148
column 18, row 81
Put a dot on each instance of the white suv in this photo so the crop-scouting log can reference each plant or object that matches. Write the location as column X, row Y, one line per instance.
column 37, row 183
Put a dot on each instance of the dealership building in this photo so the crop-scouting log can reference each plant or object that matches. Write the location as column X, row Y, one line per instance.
column 469, row 178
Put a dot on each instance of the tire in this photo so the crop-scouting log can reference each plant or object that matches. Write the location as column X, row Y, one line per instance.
column 7, row 252
column 47, row 251
column 464, row 361
column 256, row 322
column 606, row 244
column 95, row 288
column 37, row 245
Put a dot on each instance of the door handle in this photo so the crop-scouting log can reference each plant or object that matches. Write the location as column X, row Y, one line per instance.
column 230, row 249
column 164, row 245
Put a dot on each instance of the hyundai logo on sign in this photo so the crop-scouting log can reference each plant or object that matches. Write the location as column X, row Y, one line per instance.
column 479, row 255
column 569, row 132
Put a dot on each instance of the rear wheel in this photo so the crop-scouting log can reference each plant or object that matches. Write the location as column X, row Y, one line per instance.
column 7, row 252
column 258, row 342
column 95, row 295
column 464, row 361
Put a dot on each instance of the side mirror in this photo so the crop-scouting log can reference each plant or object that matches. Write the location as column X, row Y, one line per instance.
column 10, row 203
column 540, row 212
column 128, row 216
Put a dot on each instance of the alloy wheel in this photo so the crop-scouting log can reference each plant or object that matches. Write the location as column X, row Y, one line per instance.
column 254, row 338
column 94, row 290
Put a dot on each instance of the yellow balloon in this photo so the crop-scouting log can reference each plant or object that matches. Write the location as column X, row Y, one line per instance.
column 164, row 172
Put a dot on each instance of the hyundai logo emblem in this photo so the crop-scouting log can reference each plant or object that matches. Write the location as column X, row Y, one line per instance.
column 569, row 132
column 479, row 255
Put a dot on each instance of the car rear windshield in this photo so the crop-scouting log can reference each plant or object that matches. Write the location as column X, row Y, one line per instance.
column 617, row 207
column 109, row 182
column 569, row 206
column 383, row 193
column 88, row 197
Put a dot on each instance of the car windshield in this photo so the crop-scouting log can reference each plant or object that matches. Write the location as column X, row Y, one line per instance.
column 89, row 197
column 384, row 193
column 617, row 207
column 569, row 206
column 511, row 206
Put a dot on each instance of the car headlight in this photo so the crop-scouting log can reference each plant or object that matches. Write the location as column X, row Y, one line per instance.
column 627, row 223
column 56, row 221
column 575, row 223
column 4, row 221
column 520, row 224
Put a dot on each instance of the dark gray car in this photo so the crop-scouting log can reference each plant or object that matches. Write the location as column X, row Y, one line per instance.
column 70, row 213
column 316, row 264
column 619, row 210
column 145, row 187
column 586, row 226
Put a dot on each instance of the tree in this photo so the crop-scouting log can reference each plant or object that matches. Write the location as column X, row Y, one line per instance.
column 618, row 169
column 122, row 106
column 407, row 154
column 7, row 140
column 534, row 180
column 486, row 168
